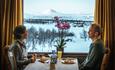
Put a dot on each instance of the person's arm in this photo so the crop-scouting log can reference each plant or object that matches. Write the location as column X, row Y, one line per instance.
column 17, row 55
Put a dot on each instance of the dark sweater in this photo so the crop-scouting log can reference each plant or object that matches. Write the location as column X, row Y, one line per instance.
column 94, row 58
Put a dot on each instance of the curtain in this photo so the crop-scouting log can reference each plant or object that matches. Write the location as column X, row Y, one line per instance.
column 105, row 16
column 10, row 16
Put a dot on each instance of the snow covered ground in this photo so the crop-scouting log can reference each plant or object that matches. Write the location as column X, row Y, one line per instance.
column 77, row 44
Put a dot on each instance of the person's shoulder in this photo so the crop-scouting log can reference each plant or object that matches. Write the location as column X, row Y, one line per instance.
column 99, row 42
column 14, row 45
column 99, row 45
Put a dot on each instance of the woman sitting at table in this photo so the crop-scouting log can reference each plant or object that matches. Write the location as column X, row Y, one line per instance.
column 19, row 49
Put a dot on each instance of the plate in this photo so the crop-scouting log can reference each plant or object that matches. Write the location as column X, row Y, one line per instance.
column 43, row 60
column 68, row 61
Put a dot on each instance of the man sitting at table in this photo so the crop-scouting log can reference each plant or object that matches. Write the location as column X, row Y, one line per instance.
column 19, row 49
column 94, row 58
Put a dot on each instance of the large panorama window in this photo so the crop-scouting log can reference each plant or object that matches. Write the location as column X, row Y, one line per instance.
column 43, row 33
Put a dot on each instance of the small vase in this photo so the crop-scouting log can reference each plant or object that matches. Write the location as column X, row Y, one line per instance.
column 60, row 52
column 52, row 67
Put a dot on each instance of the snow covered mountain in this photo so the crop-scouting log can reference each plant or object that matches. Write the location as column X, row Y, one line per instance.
column 50, row 13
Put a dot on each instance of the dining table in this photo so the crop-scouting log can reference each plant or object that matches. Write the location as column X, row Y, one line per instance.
column 60, row 65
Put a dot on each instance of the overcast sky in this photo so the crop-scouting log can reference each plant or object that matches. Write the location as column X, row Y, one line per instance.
column 63, row 6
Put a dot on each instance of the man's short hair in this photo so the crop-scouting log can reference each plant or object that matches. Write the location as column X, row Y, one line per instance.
column 20, row 29
column 97, row 28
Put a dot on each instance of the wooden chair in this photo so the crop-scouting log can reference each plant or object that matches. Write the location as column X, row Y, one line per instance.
column 105, row 60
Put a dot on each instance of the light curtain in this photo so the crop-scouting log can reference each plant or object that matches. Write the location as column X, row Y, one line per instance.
column 11, row 15
column 105, row 16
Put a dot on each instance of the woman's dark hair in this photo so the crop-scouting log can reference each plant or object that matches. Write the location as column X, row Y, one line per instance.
column 20, row 29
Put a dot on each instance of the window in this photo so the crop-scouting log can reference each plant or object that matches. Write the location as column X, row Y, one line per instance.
column 39, row 20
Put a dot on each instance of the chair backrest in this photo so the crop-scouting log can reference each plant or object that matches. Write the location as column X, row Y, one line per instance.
column 105, row 60
column 12, row 60
column 6, row 63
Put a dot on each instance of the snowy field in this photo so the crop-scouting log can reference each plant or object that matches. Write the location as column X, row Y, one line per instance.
column 77, row 44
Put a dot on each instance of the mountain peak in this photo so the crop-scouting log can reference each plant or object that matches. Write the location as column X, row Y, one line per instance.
column 50, row 12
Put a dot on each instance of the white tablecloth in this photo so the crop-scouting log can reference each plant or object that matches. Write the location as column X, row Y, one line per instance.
column 46, row 66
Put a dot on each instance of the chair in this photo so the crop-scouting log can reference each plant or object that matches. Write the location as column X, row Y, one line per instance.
column 6, row 62
column 12, row 60
column 105, row 60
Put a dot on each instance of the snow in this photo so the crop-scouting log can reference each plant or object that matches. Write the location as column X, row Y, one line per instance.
column 77, row 45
